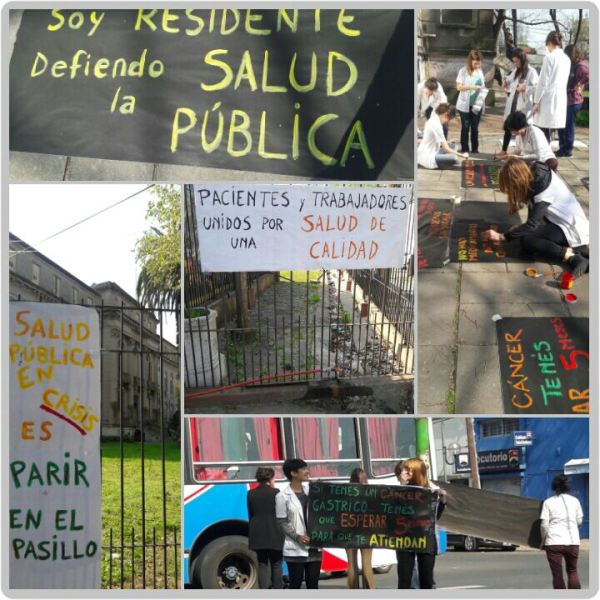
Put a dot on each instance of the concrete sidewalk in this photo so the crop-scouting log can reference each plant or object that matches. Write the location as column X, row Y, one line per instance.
column 458, row 363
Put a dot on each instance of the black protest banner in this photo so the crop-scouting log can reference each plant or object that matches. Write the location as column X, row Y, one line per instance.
column 478, row 174
column 347, row 515
column 471, row 220
column 313, row 93
column 492, row 515
column 434, row 221
column 544, row 365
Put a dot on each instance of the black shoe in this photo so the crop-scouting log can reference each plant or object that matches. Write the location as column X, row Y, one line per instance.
column 579, row 265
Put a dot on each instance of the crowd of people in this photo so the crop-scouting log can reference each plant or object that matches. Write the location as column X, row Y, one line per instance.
column 557, row 228
column 278, row 531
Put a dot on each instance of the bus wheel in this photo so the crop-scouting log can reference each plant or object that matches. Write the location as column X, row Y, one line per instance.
column 226, row 563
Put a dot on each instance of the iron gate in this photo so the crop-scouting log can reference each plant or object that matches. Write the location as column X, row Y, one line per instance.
column 297, row 325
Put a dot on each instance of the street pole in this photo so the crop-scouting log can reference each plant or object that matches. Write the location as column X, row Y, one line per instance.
column 475, row 481
column 422, row 439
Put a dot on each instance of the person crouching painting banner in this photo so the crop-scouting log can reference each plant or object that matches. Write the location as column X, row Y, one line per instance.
column 55, row 495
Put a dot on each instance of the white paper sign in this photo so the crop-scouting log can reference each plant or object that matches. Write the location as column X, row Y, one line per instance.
column 55, row 495
column 297, row 227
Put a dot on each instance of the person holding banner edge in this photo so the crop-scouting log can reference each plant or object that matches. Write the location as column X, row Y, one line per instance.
column 359, row 475
column 416, row 470
column 291, row 509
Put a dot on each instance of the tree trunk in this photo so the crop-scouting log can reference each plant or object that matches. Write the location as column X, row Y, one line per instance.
column 241, row 299
column 514, row 25
column 578, row 27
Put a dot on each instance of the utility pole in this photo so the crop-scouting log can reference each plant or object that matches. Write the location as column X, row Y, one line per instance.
column 475, row 481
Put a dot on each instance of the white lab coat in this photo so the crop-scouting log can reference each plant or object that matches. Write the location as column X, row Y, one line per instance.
column 432, row 101
column 551, row 90
column 560, row 518
column 525, row 99
column 288, row 506
column 463, row 77
column 430, row 144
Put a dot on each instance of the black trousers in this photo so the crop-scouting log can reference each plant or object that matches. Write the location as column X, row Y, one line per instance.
column 270, row 569
column 547, row 241
column 406, row 563
column 307, row 571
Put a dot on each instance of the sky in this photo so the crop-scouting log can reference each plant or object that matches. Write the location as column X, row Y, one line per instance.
column 535, row 35
column 100, row 249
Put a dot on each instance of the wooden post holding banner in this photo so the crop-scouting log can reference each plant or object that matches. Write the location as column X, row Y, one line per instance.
column 55, row 507
column 349, row 515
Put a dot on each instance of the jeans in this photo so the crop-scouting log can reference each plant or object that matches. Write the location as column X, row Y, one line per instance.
column 428, row 112
column 406, row 563
column 566, row 136
column 309, row 571
column 270, row 569
column 469, row 121
column 444, row 160
column 555, row 555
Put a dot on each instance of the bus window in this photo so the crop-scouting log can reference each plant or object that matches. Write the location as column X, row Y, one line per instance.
column 391, row 439
column 327, row 444
column 231, row 448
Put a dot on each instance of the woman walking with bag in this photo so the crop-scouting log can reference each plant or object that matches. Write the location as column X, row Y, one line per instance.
column 561, row 516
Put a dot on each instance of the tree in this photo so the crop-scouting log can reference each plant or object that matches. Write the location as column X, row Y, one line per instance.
column 158, row 252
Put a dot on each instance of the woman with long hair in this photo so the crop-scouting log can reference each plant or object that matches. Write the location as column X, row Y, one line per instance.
column 470, row 83
column 359, row 475
column 520, row 86
column 579, row 78
column 416, row 471
column 556, row 228
column 561, row 515
column 550, row 98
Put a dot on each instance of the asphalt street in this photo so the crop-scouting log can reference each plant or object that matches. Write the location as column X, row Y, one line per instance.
column 488, row 569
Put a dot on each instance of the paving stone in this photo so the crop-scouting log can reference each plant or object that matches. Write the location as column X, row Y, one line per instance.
column 581, row 164
column 30, row 166
column 478, row 381
column 483, row 267
column 475, row 325
column 480, row 195
column 434, row 368
column 518, row 266
column 481, row 288
column 436, row 308
column 550, row 310
column 93, row 169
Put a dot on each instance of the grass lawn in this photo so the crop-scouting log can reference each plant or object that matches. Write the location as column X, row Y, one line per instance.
column 301, row 276
column 132, row 512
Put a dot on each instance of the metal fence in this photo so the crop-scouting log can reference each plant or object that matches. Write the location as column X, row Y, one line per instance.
column 140, row 448
column 298, row 325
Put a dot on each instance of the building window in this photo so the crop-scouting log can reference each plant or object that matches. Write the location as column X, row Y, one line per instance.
column 57, row 286
column 499, row 427
column 75, row 296
column 458, row 17
column 89, row 301
column 35, row 273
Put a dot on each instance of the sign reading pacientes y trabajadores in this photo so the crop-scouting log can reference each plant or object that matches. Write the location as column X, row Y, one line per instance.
column 55, row 493
column 348, row 515
column 280, row 227
column 312, row 93
column 544, row 364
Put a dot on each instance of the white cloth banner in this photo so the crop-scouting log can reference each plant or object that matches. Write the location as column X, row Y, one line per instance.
column 262, row 227
column 55, row 494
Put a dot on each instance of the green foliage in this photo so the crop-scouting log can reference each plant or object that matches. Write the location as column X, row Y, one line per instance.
column 346, row 318
column 158, row 251
column 314, row 298
column 583, row 118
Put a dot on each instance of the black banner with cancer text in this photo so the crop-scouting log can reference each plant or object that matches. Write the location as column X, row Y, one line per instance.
column 434, row 223
column 476, row 174
column 347, row 515
column 313, row 93
column 544, row 365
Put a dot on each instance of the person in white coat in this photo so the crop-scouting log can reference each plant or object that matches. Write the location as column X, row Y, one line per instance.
column 470, row 104
column 434, row 152
column 431, row 94
column 291, row 511
column 560, row 517
column 520, row 86
column 532, row 144
column 556, row 229
column 550, row 98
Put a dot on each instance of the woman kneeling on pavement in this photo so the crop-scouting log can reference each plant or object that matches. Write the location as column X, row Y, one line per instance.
column 556, row 228
column 416, row 470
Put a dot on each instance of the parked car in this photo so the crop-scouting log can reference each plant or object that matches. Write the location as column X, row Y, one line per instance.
column 472, row 544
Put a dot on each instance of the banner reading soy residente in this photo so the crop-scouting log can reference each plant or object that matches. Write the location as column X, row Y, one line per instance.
column 325, row 94
column 263, row 227
column 55, row 484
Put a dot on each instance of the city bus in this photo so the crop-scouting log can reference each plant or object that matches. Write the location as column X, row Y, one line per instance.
column 221, row 458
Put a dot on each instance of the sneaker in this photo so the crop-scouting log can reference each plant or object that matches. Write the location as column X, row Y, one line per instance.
column 579, row 265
